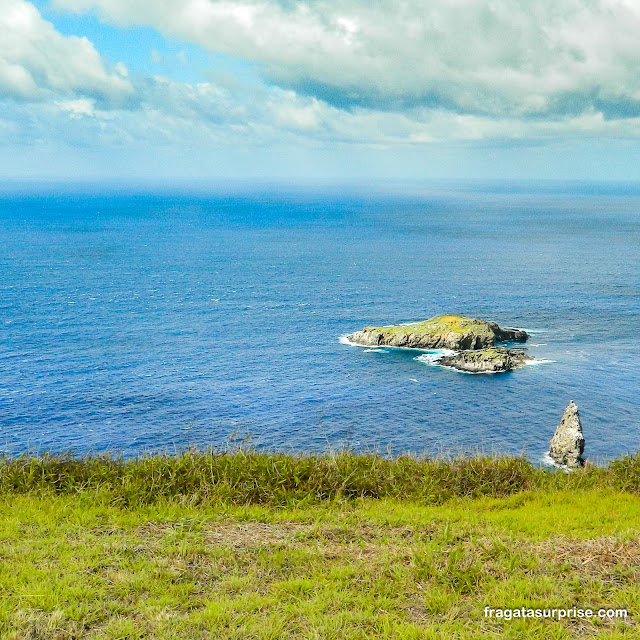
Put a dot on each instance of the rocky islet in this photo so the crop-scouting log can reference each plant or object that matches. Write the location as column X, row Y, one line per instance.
column 474, row 340
column 490, row 360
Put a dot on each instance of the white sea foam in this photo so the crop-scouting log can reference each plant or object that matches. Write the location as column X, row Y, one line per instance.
column 550, row 462
column 431, row 356
column 368, row 347
column 428, row 357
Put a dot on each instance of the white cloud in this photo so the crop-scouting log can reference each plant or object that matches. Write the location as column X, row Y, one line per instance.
column 498, row 57
column 37, row 62
column 79, row 107
column 293, row 113
column 204, row 116
column 384, row 75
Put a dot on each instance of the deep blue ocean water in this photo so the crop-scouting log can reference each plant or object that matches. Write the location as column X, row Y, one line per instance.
column 133, row 322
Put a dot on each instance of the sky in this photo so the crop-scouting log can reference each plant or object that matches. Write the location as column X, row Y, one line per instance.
column 319, row 89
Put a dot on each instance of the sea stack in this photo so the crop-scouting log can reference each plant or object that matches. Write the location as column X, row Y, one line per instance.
column 567, row 445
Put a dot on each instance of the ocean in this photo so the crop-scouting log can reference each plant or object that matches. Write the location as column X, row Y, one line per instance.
column 135, row 322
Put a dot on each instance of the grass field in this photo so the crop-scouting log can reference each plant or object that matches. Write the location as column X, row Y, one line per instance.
column 331, row 547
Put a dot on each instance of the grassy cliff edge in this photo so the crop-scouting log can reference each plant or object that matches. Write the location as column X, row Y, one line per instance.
column 264, row 545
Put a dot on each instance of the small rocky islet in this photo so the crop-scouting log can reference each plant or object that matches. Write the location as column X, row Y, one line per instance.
column 473, row 340
column 490, row 360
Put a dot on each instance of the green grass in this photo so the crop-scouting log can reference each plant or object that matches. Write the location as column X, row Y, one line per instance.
column 252, row 545
column 442, row 324
column 250, row 477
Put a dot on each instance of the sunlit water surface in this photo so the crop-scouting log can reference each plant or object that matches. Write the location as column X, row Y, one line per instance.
column 135, row 323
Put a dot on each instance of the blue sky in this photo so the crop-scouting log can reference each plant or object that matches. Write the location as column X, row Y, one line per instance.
column 322, row 89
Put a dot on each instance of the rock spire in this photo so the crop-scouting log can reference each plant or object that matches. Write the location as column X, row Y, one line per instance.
column 567, row 445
